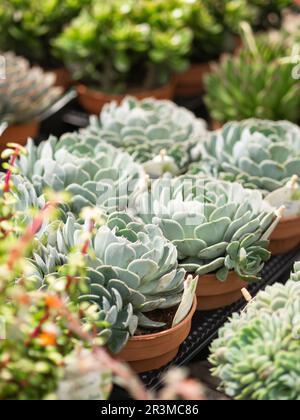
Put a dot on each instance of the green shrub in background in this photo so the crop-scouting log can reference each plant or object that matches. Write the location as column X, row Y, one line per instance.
column 217, row 36
column 258, row 82
column 27, row 26
column 114, row 45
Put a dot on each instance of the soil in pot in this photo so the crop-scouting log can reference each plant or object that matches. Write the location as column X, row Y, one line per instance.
column 286, row 236
column 152, row 351
column 191, row 82
column 213, row 294
column 93, row 101
column 19, row 134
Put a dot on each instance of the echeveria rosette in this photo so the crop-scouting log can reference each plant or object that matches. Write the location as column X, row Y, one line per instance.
column 95, row 174
column 257, row 354
column 258, row 153
column 145, row 128
column 132, row 269
column 216, row 226
column 25, row 92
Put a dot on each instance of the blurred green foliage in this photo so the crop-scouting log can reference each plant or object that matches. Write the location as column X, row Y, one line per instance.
column 27, row 26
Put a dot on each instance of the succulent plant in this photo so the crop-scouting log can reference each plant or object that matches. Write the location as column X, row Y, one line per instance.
column 132, row 270
column 145, row 128
column 25, row 92
column 216, row 226
column 112, row 41
column 257, row 353
column 257, row 82
column 93, row 173
column 259, row 154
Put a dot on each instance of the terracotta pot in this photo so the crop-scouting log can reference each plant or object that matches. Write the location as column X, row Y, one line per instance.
column 191, row 83
column 93, row 101
column 216, row 125
column 213, row 294
column 286, row 236
column 19, row 134
column 150, row 352
column 63, row 77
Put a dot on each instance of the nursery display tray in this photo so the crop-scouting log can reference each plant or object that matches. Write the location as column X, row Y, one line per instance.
column 206, row 324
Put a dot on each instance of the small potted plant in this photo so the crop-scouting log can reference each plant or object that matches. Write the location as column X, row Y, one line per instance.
column 220, row 231
column 263, row 155
column 158, row 134
column 115, row 48
column 257, row 82
column 25, row 94
column 256, row 355
column 28, row 28
column 215, row 28
column 134, row 283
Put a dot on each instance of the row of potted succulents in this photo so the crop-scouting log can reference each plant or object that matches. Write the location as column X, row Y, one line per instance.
column 267, row 89
column 156, row 243
column 48, row 346
column 163, row 210
column 114, row 47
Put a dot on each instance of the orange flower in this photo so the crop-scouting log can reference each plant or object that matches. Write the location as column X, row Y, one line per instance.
column 47, row 339
column 24, row 299
column 53, row 302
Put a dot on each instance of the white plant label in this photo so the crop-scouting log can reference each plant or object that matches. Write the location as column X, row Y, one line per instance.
column 190, row 286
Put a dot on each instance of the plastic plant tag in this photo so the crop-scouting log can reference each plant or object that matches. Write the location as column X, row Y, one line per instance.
column 161, row 165
column 83, row 380
column 3, row 127
column 279, row 213
column 288, row 196
column 190, row 286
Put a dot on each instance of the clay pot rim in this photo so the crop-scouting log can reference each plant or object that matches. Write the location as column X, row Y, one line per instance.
column 213, row 276
column 23, row 124
column 289, row 219
column 169, row 331
column 86, row 90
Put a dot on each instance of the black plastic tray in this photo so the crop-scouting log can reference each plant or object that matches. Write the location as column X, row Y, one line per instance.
column 206, row 324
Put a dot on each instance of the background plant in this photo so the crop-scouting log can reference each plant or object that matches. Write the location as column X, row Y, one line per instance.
column 115, row 45
column 257, row 82
column 25, row 92
column 269, row 12
column 28, row 26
